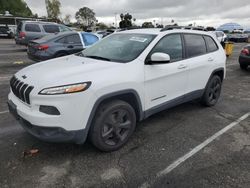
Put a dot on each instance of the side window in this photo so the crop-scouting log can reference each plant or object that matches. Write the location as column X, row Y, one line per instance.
column 195, row 45
column 61, row 40
column 73, row 39
column 63, row 28
column 51, row 28
column 211, row 45
column 171, row 45
column 32, row 28
column 89, row 39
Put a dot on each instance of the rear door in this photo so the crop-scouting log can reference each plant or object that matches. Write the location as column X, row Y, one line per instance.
column 200, row 61
column 73, row 43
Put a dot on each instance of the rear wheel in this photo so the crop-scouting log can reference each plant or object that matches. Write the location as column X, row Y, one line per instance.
column 113, row 125
column 243, row 66
column 212, row 92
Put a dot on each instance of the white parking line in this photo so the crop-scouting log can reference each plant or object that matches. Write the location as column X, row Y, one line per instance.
column 196, row 149
column 4, row 112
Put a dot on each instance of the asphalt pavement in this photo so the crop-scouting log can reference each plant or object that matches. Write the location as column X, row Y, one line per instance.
column 186, row 146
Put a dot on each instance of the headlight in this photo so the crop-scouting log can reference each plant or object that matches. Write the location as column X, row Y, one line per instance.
column 66, row 89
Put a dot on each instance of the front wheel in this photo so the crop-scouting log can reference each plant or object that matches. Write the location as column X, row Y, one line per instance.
column 212, row 91
column 113, row 125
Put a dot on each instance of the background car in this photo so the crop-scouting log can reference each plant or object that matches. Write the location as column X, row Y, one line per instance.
column 60, row 44
column 244, row 58
column 6, row 32
column 221, row 36
column 31, row 30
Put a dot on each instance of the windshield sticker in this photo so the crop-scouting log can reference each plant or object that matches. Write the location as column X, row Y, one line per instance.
column 138, row 39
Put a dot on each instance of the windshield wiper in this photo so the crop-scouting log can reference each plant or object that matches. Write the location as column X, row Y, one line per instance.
column 97, row 57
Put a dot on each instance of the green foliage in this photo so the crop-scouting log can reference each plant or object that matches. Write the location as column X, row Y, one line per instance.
column 53, row 9
column 15, row 7
column 101, row 26
column 86, row 16
column 148, row 25
column 126, row 20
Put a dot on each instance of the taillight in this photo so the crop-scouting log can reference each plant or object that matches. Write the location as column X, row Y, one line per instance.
column 22, row 35
column 43, row 47
column 245, row 51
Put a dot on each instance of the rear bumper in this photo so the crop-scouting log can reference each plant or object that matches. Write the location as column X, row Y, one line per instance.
column 244, row 60
column 35, row 57
column 21, row 41
column 49, row 134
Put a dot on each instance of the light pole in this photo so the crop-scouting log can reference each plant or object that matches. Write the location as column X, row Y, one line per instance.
column 115, row 20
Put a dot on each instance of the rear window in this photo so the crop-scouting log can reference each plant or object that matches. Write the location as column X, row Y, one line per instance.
column 89, row 39
column 211, row 45
column 32, row 28
column 51, row 28
column 195, row 45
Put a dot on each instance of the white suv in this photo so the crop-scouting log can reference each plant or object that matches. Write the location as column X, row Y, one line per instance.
column 104, row 90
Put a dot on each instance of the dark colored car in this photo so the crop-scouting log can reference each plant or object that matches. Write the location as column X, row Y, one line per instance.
column 6, row 32
column 31, row 30
column 244, row 58
column 60, row 44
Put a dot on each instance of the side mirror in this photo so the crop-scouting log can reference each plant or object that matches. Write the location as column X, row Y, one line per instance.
column 159, row 58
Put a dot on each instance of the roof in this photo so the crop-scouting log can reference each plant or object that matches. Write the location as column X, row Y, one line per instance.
column 40, row 22
column 157, row 31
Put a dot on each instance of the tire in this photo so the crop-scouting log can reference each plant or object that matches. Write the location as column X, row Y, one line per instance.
column 243, row 66
column 113, row 125
column 212, row 91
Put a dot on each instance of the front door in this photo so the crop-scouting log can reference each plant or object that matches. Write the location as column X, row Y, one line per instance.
column 166, row 82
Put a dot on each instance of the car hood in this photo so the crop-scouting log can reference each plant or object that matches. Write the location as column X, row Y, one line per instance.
column 65, row 70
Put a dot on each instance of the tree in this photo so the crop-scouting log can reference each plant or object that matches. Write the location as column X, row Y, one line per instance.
column 147, row 25
column 15, row 7
column 126, row 20
column 101, row 26
column 86, row 16
column 67, row 19
column 53, row 9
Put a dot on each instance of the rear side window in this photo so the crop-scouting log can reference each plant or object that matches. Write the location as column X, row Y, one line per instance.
column 89, row 39
column 51, row 28
column 171, row 45
column 195, row 45
column 211, row 45
column 32, row 28
column 73, row 39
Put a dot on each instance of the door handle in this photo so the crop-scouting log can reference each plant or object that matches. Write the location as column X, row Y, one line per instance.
column 182, row 66
column 70, row 46
column 210, row 59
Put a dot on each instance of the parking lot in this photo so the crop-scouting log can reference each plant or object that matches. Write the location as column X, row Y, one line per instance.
column 180, row 147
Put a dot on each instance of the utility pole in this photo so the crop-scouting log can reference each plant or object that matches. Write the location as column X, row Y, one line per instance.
column 115, row 20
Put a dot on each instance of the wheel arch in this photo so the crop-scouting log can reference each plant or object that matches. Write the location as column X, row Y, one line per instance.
column 130, row 96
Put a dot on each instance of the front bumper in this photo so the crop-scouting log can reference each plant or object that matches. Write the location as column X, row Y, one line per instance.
column 49, row 134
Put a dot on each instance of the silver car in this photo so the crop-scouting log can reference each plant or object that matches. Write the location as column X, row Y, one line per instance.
column 31, row 30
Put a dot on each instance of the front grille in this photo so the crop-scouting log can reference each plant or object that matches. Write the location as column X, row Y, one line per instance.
column 20, row 89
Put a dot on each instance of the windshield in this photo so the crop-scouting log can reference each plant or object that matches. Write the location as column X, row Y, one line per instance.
column 119, row 47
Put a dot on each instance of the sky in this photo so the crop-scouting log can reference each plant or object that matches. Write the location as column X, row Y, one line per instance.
column 198, row 12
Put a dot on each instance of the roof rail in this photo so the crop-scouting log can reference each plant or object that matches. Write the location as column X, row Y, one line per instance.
column 183, row 27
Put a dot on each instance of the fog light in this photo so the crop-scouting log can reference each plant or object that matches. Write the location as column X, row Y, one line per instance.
column 50, row 110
